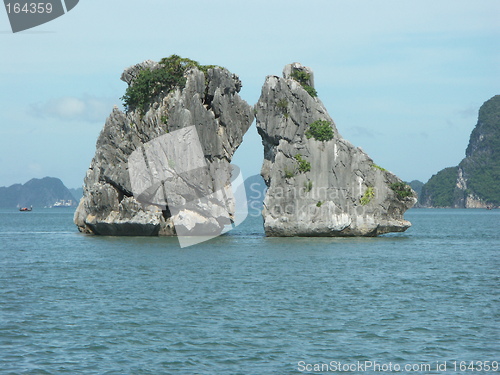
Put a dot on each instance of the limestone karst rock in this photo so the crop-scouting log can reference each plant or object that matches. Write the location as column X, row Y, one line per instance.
column 474, row 182
column 319, row 184
column 203, row 98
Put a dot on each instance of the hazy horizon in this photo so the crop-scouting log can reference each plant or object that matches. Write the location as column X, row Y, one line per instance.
column 402, row 81
column 81, row 187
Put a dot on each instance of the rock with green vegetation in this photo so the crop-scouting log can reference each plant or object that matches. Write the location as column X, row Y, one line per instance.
column 153, row 79
column 303, row 75
column 402, row 189
column 319, row 184
column 475, row 182
column 305, row 80
column 478, row 179
column 320, row 130
column 416, row 185
column 163, row 97
column 439, row 190
column 367, row 196
column 304, row 165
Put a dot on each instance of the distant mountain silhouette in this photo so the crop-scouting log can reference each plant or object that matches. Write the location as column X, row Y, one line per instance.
column 43, row 192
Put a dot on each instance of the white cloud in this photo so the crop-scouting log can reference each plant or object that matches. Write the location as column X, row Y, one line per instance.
column 68, row 108
column 469, row 112
column 362, row 132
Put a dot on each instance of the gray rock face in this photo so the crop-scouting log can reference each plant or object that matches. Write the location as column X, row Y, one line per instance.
column 130, row 74
column 320, row 188
column 212, row 106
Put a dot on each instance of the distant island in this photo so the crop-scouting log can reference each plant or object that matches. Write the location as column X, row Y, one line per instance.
column 39, row 193
column 416, row 185
column 474, row 183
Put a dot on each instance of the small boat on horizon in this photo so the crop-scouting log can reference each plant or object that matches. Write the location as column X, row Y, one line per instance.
column 26, row 209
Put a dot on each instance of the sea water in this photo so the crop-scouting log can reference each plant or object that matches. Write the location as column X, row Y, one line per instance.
column 246, row 304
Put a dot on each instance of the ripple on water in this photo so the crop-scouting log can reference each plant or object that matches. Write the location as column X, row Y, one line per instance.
column 244, row 303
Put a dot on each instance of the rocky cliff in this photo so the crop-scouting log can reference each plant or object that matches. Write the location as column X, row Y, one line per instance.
column 319, row 184
column 474, row 182
column 164, row 163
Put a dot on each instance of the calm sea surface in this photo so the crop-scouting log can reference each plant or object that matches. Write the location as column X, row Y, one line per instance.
column 247, row 304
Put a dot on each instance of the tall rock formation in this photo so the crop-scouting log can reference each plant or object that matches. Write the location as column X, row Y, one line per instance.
column 319, row 184
column 175, row 96
column 474, row 182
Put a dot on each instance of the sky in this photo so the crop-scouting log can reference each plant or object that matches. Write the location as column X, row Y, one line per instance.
column 402, row 80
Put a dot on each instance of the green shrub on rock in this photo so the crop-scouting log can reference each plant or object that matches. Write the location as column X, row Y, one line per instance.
column 304, row 165
column 289, row 173
column 402, row 189
column 302, row 78
column 151, row 82
column 379, row 167
column 367, row 196
column 282, row 106
column 320, row 130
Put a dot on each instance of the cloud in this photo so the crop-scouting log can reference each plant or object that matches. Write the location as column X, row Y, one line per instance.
column 360, row 131
column 68, row 108
column 423, row 135
column 470, row 112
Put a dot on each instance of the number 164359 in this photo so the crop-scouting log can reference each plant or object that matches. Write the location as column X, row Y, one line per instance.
column 29, row 8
